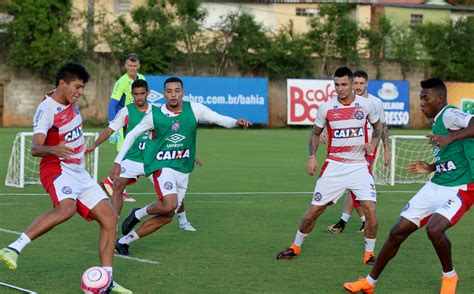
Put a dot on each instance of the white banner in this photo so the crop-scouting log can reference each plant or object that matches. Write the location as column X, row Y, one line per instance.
column 304, row 98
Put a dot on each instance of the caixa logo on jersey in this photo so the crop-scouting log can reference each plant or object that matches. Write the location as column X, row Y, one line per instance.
column 73, row 135
column 173, row 154
column 348, row 133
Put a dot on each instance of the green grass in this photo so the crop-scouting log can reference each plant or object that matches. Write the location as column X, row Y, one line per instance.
column 238, row 235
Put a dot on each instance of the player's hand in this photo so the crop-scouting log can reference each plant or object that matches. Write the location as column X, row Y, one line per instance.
column 370, row 147
column 311, row 165
column 115, row 171
column 61, row 150
column 243, row 123
column 198, row 162
column 439, row 140
column 387, row 157
column 115, row 137
column 89, row 149
column 323, row 137
column 419, row 167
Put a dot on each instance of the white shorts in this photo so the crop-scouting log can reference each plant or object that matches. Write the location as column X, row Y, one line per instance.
column 336, row 178
column 77, row 185
column 168, row 181
column 131, row 169
column 433, row 198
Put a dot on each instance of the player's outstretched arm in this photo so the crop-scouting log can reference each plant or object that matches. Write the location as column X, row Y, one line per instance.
column 442, row 140
column 104, row 135
column 312, row 164
column 420, row 167
column 386, row 146
column 243, row 123
column 38, row 149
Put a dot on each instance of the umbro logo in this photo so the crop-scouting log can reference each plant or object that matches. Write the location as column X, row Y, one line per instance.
column 175, row 138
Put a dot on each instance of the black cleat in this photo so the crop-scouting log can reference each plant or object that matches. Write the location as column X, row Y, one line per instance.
column 130, row 221
column 287, row 254
column 337, row 227
column 121, row 249
column 361, row 230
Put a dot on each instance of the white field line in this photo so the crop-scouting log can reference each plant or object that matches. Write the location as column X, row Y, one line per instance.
column 116, row 255
column 213, row 193
column 18, row 288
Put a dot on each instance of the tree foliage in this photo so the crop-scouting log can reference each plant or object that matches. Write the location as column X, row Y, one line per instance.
column 376, row 39
column 39, row 38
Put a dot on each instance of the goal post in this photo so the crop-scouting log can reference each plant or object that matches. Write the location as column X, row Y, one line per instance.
column 403, row 149
column 23, row 168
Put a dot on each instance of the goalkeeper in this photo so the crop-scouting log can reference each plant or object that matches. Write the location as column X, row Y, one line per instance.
column 121, row 97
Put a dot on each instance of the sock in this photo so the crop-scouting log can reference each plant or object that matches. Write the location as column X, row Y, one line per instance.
column 370, row 280
column 299, row 238
column 362, row 218
column 20, row 243
column 109, row 269
column 141, row 213
column 449, row 274
column 182, row 218
column 129, row 238
column 369, row 244
column 345, row 217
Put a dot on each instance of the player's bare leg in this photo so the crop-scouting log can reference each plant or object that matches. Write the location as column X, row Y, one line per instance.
column 118, row 188
column 107, row 218
column 306, row 226
column 370, row 230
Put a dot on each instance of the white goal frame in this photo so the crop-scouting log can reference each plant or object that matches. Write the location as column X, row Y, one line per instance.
column 17, row 162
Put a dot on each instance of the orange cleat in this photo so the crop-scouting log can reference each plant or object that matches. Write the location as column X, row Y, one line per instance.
column 362, row 285
column 289, row 253
column 369, row 258
column 448, row 284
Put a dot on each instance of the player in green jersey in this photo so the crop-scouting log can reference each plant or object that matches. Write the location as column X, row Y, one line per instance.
column 441, row 203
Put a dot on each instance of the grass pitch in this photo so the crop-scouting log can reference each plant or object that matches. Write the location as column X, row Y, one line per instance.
column 246, row 202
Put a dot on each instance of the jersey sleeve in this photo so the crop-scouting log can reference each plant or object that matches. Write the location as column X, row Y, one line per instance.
column 146, row 124
column 372, row 115
column 43, row 120
column 119, row 121
column 320, row 120
column 456, row 119
column 379, row 109
column 204, row 113
column 118, row 91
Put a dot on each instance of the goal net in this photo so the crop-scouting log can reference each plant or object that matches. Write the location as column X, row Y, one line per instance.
column 404, row 149
column 23, row 169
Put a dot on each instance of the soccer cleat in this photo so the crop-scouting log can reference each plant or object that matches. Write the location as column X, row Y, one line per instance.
column 121, row 249
column 130, row 221
column 362, row 285
column 448, row 284
column 337, row 227
column 361, row 230
column 116, row 288
column 127, row 197
column 289, row 253
column 9, row 256
column 106, row 185
column 369, row 258
column 187, row 227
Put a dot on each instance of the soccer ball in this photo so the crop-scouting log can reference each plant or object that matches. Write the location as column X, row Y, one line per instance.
column 96, row 280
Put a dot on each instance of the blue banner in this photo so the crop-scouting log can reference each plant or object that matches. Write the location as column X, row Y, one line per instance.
column 395, row 98
column 235, row 97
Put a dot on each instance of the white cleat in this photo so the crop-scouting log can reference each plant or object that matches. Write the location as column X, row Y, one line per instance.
column 187, row 227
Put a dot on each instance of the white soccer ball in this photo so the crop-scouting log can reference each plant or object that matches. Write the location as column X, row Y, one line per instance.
column 95, row 280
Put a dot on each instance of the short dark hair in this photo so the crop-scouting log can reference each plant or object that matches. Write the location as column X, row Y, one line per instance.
column 133, row 57
column 173, row 80
column 435, row 83
column 140, row 84
column 361, row 74
column 343, row 71
column 72, row 71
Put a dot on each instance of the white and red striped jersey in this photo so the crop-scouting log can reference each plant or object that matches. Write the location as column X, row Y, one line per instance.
column 60, row 123
column 380, row 111
column 347, row 128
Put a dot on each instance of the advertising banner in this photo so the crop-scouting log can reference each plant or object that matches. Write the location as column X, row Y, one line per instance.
column 236, row 97
column 395, row 98
column 304, row 98
column 461, row 95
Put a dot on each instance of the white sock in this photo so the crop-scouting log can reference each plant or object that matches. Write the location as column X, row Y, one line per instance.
column 129, row 238
column 370, row 280
column 182, row 218
column 299, row 238
column 109, row 269
column 369, row 244
column 449, row 274
column 362, row 218
column 141, row 213
column 20, row 243
column 345, row 217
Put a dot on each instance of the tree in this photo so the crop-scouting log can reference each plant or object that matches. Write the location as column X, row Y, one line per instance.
column 39, row 38
column 376, row 42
